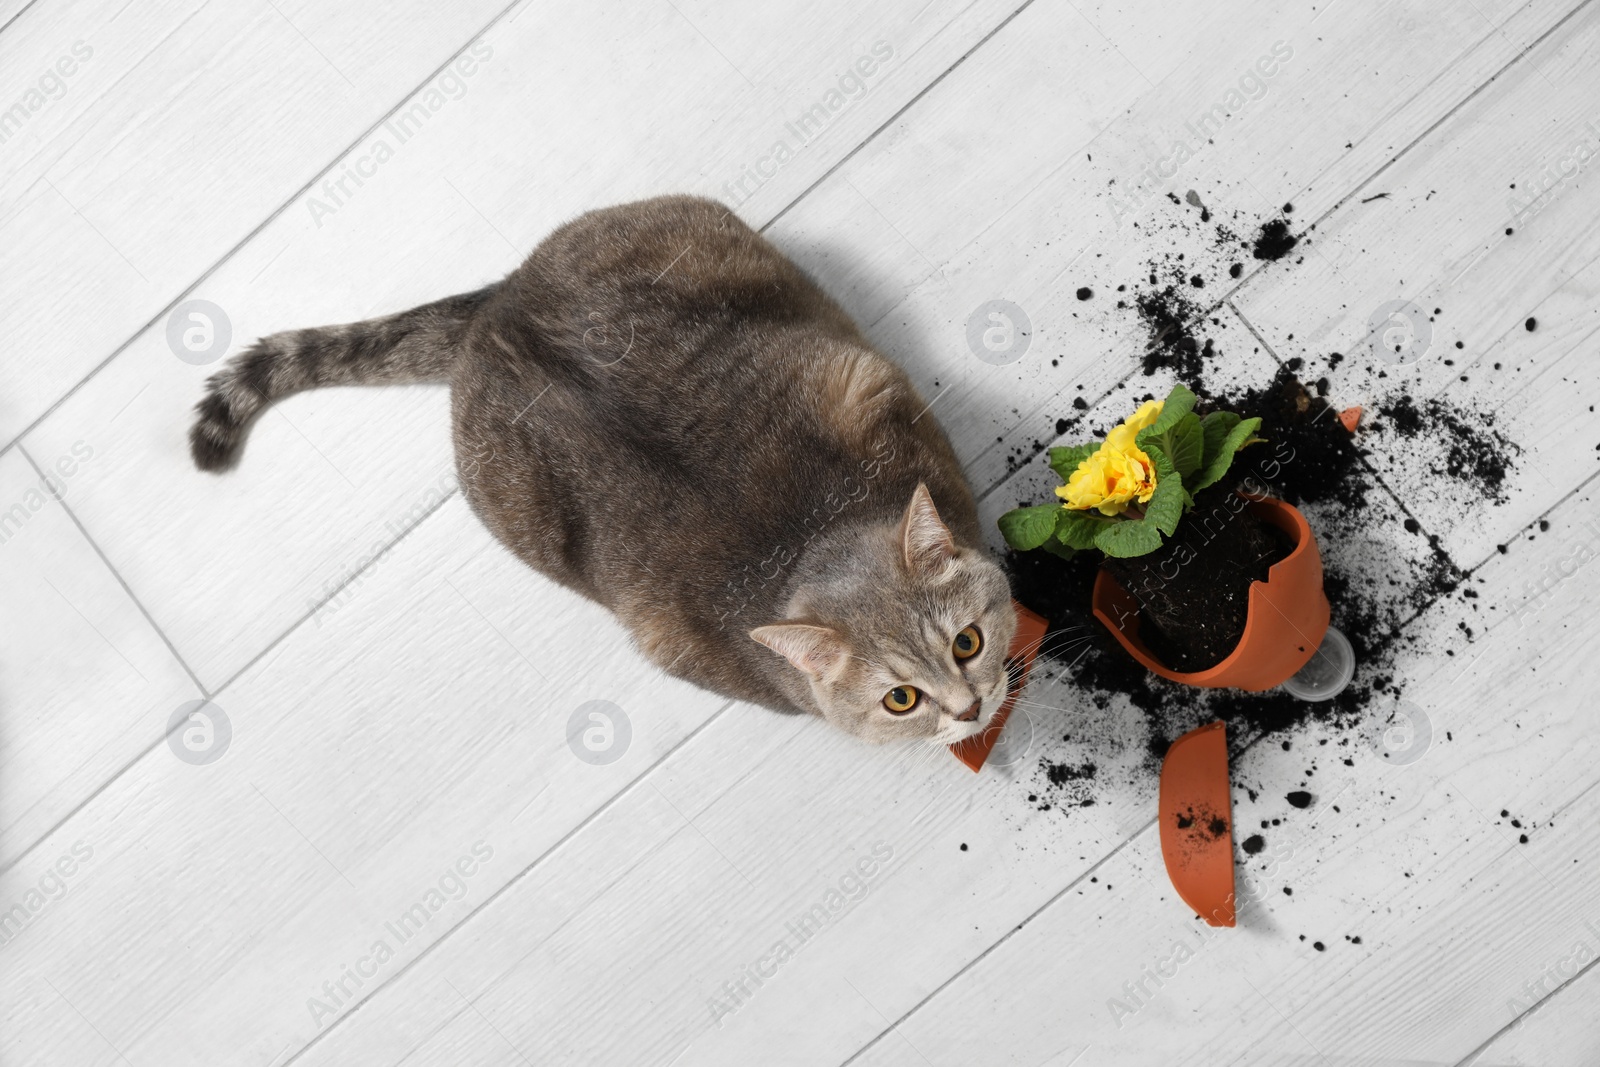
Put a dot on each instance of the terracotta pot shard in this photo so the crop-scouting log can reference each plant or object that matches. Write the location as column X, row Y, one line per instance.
column 1196, row 818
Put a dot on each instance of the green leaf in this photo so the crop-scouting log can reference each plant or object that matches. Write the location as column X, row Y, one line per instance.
column 1065, row 460
column 1187, row 444
column 1217, row 465
column 1177, row 432
column 1179, row 403
column 1077, row 529
column 1056, row 548
column 1025, row 528
column 1128, row 538
column 1216, row 427
column 1166, row 504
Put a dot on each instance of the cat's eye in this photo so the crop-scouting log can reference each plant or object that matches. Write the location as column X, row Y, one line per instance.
column 901, row 699
column 967, row 643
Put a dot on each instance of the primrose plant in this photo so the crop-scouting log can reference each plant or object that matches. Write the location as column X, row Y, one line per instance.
column 1123, row 494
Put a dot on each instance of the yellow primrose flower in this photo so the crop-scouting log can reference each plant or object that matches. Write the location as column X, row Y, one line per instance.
column 1118, row 472
column 1123, row 437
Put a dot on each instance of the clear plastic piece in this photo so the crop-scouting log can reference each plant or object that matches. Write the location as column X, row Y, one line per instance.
column 1327, row 672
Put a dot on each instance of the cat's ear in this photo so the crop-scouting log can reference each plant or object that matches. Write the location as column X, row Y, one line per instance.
column 925, row 541
column 813, row 649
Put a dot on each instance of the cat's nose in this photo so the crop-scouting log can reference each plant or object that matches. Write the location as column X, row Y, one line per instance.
column 971, row 714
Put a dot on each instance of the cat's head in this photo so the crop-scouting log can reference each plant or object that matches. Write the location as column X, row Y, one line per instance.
column 904, row 635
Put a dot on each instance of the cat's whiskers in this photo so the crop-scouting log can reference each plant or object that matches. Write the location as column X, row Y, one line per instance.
column 922, row 757
column 1057, row 641
column 1034, row 704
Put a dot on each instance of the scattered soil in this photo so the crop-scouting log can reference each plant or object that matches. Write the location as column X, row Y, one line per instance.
column 1207, row 824
column 1475, row 451
column 1062, row 773
column 1169, row 313
column 1274, row 241
column 1374, row 585
column 1064, row 785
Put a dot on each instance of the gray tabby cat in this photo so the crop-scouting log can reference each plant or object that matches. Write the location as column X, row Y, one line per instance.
column 661, row 411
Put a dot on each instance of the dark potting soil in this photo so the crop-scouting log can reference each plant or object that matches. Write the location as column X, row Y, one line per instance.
column 1064, row 785
column 1171, row 315
column 1203, row 824
column 1274, row 241
column 1194, row 591
column 1475, row 452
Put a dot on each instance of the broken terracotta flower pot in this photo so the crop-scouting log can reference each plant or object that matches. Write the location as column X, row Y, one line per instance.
column 1196, row 814
column 1019, row 658
column 1285, row 621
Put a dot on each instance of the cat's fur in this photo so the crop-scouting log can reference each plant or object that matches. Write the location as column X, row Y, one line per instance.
column 660, row 411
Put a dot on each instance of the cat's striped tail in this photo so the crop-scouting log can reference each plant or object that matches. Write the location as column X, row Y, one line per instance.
column 414, row 346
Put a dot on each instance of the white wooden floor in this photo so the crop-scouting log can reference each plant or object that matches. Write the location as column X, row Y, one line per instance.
column 397, row 858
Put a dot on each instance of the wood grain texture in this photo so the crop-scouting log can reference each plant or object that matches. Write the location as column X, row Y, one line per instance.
column 336, row 475
column 990, row 208
column 184, row 127
column 400, row 690
column 353, row 786
column 88, row 683
column 662, row 961
column 1559, row 1030
column 1447, row 240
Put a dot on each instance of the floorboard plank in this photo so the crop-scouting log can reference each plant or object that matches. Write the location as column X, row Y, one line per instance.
column 88, row 682
column 1558, row 1031
column 374, row 768
column 181, row 128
